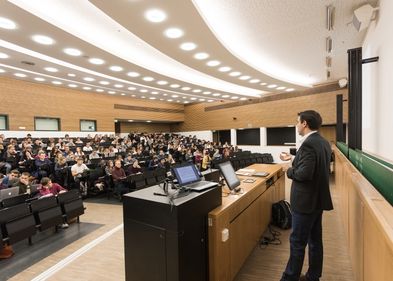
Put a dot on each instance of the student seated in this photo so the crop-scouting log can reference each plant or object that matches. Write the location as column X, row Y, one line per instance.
column 48, row 188
column 78, row 172
column 118, row 176
column 10, row 179
column 51, row 189
column 23, row 183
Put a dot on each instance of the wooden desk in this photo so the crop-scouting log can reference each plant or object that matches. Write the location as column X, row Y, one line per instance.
column 245, row 216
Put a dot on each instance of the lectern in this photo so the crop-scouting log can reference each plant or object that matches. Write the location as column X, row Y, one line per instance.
column 164, row 239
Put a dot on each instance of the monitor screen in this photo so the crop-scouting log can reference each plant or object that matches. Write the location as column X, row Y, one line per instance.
column 229, row 175
column 186, row 174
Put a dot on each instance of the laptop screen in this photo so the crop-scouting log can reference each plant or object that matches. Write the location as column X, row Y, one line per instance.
column 186, row 174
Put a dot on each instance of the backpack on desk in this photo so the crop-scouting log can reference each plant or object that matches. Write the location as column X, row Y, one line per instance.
column 281, row 214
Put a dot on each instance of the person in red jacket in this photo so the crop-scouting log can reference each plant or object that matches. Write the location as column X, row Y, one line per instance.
column 49, row 188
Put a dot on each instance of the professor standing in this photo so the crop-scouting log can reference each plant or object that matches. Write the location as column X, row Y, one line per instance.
column 310, row 196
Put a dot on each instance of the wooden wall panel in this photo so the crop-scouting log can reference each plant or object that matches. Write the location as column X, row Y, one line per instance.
column 127, row 127
column 266, row 114
column 22, row 100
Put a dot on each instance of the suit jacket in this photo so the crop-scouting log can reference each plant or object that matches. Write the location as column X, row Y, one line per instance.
column 310, row 176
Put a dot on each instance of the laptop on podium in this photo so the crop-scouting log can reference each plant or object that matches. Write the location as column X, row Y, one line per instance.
column 188, row 177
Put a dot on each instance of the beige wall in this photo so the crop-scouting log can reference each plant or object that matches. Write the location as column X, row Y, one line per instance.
column 265, row 114
column 127, row 127
column 21, row 101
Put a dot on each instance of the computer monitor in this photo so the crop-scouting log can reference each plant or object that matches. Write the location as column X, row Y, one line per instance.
column 186, row 174
column 229, row 175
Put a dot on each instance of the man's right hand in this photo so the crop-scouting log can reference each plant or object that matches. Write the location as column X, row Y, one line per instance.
column 285, row 156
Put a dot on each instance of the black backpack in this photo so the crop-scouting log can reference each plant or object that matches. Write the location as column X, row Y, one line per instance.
column 281, row 214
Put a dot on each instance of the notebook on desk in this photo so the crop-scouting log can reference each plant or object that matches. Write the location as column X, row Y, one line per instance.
column 251, row 173
column 188, row 177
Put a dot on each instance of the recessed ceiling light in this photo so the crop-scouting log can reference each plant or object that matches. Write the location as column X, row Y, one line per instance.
column 224, row 69
column 148, row 121
column 72, row 52
column 89, row 79
column 201, row 56
column 99, row 90
column 154, row 93
column 133, row 74
column 174, row 96
column 130, row 120
column 225, row 96
column 162, row 82
column 2, row 70
column 170, row 100
column 201, row 99
column 96, row 61
column 271, row 86
column 116, row 68
column 186, row 102
column 173, row 32
column 51, row 69
column 40, row 79
column 186, row 88
column 122, row 94
column 281, row 88
column 148, row 78
column 207, row 93
column 133, row 96
column 235, row 73
column 143, row 90
column 42, row 39
column 177, row 101
column 197, row 91
column 155, row 15
column 216, row 94
column 263, row 83
column 243, row 98
column 164, row 95
column 72, row 85
column 86, row 88
column 213, row 63
column 244, row 77
column 184, row 98
column 289, row 89
column 131, row 88
column 234, row 98
column 57, row 82
column 71, row 75
column 143, row 97
column 20, row 75
column 7, row 23
column 253, row 81
column 193, row 98
column 188, row 46
column 3, row 56
column 152, row 98
column 161, row 99
column 111, row 92
column 104, row 82
column 118, row 86
column 174, row 86
column 210, row 100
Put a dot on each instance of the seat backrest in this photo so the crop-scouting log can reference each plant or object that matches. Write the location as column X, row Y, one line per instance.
column 73, row 194
column 43, row 204
column 20, row 199
column 14, row 212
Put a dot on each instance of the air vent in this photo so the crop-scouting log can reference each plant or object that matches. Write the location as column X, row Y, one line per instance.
column 28, row 63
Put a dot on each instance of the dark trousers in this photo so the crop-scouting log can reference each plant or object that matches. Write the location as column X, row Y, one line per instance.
column 306, row 229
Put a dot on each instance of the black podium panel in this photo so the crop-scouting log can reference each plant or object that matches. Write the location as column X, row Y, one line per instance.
column 164, row 240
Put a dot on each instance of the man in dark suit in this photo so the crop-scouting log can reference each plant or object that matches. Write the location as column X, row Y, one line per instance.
column 310, row 196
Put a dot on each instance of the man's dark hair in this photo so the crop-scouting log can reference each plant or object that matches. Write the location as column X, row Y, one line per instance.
column 313, row 119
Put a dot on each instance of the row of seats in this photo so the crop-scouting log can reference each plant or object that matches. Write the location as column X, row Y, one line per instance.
column 21, row 221
column 241, row 161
